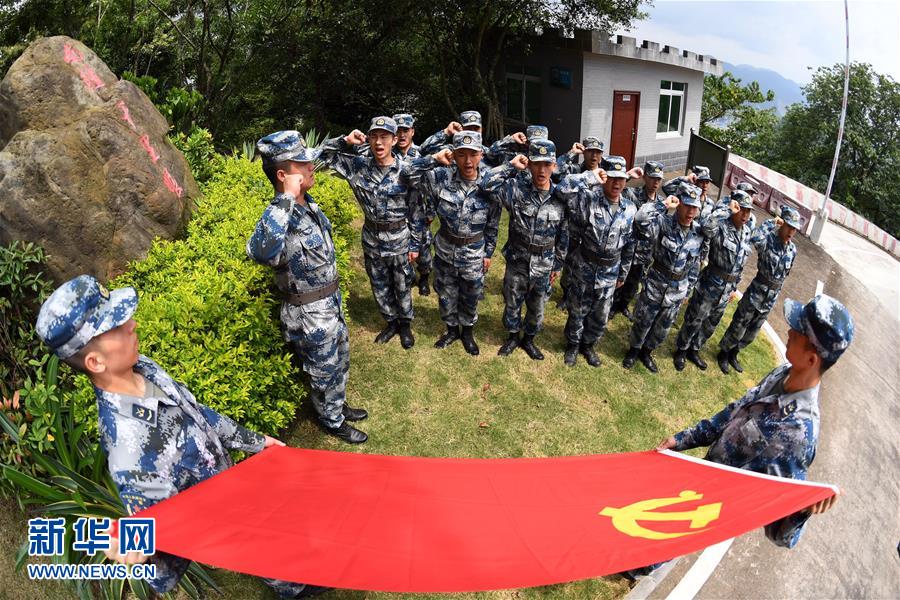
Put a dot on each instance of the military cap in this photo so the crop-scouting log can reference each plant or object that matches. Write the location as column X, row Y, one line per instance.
column 592, row 143
column 470, row 118
column 536, row 132
column 790, row 216
column 702, row 173
column 80, row 310
column 467, row 139
column 743, row 198
column 688, row 194
column 825, row 321
column 541, row 150
column 384, row 123
column 615, row 166
column 654, row 169
column 747, row 187
column 405, row 120
column 285, row 145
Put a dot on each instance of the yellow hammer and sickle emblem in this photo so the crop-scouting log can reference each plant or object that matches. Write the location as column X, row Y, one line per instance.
column 625, row 518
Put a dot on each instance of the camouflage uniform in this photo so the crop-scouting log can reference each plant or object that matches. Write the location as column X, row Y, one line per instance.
column 468, row 233
column 567, row 164
column 503, row 151
column 157, row 445
column 537, row 242
column 729, row 250
column 438, row 141
column 603, row 252
column 773, row 264
column 387, row 206
column 707, row 205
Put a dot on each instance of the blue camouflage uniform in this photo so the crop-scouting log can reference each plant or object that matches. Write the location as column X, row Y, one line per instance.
column 537, row 242
column 773, row 264
column 506, row 149
column 156, row 445
column 425, row 262
column 676, row 252
column 729, row 250
column 469, row 222
column 567, row 164
column 470, row 121
column 294, row 237
column 707, row 205
column 387, row 206
column 603, row 253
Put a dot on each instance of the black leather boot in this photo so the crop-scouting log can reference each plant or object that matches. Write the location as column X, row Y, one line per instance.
column 587, row 351
column 646, row 357
column 353, row 414
column 385, row 335
column 678, row 360
column 424, row 288
column 630, row 357
column 694, row 357
column 533, row 352
column 511, row 343
column 571, row 354
column 468, row 341
column 450, row 336
column 348, row 433
column 722, row 359
column 733, row 360
column 406, row 336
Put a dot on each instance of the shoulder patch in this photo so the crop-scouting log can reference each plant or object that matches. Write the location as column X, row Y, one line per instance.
column 142, row 413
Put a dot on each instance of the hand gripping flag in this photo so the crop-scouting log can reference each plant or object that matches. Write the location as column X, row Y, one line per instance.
column 405, row 524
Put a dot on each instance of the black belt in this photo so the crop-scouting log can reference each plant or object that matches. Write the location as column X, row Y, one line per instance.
column 723, row 274
column 519, row 240
column 597, row 259
column 670, row 274
column 457, row 240
column 768, row 282
column 386, row 225
column 312, row 295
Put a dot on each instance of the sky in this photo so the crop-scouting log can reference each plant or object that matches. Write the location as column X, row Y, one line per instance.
column 786, row 36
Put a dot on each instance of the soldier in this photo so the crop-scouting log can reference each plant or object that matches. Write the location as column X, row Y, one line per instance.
column 465, row 243
column 775, row 256
column 590, row 149
column 677, row 241
column 699, row 177
column 293, row 235
column 469, row 120
column 602, row 219
column 643, row 249
column 537, row 242
column 157, row 438
column 505, row 150
column 406, row 131
column 387, row 206
column 729, row 250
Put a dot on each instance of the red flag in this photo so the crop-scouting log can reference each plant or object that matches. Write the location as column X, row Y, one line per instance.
column 405, row 524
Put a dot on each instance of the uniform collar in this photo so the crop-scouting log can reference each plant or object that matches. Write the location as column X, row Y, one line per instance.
column 141, row 409
column 801, row 404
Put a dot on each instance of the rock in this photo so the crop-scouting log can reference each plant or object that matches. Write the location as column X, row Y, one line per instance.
column 86, row 169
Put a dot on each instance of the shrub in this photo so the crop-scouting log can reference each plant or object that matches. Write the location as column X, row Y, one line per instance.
column 199, row 151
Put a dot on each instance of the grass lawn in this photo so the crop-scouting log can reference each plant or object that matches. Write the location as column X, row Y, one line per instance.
column 430, row 402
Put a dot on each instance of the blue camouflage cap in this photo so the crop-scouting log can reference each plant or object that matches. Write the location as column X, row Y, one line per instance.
column 405, row 120
column 536, row 132
column 615, row 166
column 470, row 118
column 467, row 139
column 385, row 123
column 744, row 199
column 745, row 186
column 790, row 216
column 688, row 194
column 653, row 168
column 825, row 321
column 541, row 150
column 285, row 145
column 592, row 143
column 701, row 172
column 80, row 310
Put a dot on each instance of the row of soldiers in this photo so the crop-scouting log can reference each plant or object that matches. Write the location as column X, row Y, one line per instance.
column 578, row 219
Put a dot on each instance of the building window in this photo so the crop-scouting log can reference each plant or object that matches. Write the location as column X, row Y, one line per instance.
column 671, row 108
column 523, row 94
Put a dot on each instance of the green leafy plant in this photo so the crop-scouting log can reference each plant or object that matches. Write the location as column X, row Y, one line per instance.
column 199, row 151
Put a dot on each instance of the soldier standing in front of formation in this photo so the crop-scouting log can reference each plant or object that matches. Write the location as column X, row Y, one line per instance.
column 537, row 243
column 387, row 206
column 465, row 242
column 775, row 255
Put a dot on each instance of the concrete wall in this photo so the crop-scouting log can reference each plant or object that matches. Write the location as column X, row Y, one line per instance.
column 603, row 74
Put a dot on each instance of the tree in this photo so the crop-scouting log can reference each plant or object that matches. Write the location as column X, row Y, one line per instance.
column 868, row 173
column 728, row 116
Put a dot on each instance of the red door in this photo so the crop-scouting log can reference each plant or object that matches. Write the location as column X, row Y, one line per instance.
column 623, row 139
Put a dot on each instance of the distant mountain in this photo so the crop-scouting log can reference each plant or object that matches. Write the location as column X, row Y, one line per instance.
column 787, row 92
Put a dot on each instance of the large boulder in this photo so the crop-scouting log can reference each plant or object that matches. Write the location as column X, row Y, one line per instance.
column 86, row 169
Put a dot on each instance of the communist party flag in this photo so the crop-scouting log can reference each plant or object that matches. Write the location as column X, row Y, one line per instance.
column 405, row 524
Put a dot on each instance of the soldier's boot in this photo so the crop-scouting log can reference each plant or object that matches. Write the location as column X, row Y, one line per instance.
column 627, row 313
column 450, row 336
column 722, row 359
column 678, row 360
column 406, row 336
column 571, row 354
column 630, row 357
column 511, row 343
column 646, row 357
column 468, row 340
column 587, row 351
column 353, row 414
column 694, row 357
column 528, row 345
column 734, row 362
column 385, row 335
column 348, row 433
column 424, row 288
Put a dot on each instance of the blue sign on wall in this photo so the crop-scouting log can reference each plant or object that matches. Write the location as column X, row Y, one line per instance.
column 561, row 77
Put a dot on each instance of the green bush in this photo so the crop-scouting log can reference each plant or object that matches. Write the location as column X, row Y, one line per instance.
column 199, row 151
column 208, row 314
